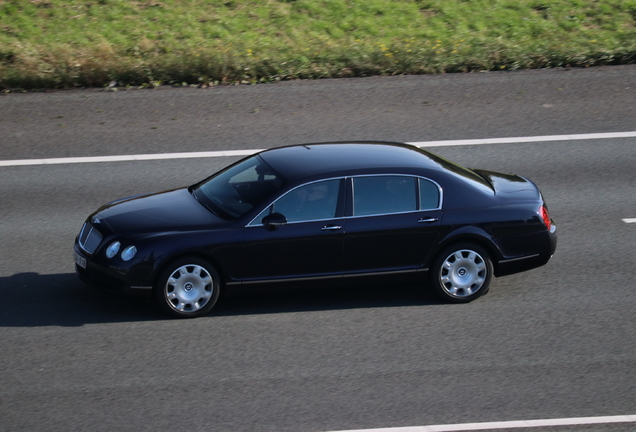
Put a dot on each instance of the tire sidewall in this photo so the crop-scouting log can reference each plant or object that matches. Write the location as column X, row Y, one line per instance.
column 437, row 269
column 159, row 289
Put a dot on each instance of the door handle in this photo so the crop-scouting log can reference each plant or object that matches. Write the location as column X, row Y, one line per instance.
column 428, row 220
column 331, row 228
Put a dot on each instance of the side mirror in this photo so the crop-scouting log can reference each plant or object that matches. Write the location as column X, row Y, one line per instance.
column 274, row 220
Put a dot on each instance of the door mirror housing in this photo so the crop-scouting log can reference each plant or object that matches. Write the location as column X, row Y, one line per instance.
column 274, row 220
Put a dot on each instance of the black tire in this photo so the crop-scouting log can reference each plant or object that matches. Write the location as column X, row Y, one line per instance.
column 187, row 288
column 461, row 273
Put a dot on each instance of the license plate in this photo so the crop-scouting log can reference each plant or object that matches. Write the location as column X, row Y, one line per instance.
column 79, row 260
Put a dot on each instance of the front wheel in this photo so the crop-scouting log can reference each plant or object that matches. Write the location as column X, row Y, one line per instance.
column 462, row 273
column 187, row 288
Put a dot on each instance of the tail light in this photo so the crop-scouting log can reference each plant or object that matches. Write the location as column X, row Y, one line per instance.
column 545, row 216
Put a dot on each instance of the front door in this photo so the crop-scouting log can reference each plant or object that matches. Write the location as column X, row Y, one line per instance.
column 309, row 245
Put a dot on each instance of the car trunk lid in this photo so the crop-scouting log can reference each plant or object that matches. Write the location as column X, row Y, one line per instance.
column 510, row 185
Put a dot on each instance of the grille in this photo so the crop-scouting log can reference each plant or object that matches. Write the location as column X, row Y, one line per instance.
column 89, row 238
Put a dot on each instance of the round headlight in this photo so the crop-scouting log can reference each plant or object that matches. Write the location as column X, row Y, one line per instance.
column 128, row 253
column 112, row 250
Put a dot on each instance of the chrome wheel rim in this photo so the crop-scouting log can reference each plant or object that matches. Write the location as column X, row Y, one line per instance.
column 189, row 288
column 463, row 273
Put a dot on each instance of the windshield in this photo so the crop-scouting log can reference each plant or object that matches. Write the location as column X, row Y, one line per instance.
column 236, row 190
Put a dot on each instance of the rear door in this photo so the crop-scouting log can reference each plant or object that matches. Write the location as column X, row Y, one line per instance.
column 393, row 222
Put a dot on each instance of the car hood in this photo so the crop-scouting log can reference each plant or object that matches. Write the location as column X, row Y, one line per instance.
column 510, row 185
column 173, row 210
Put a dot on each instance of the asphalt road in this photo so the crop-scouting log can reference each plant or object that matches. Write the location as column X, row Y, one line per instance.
column 555, row 342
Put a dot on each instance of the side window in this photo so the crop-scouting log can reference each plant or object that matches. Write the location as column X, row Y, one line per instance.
column 383, row 194
column 429, row 195
column 313, row 201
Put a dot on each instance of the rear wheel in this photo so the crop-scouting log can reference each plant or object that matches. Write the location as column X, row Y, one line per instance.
column 187, row 288
column 462, row 273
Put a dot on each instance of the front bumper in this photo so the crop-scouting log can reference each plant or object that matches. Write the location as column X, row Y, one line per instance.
column 132, row 281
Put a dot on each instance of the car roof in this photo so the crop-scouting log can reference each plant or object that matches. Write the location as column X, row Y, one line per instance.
column 337, row 158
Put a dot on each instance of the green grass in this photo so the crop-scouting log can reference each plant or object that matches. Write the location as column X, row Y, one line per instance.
column 57, row 44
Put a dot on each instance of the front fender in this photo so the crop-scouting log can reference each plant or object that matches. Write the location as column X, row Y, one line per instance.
column 213, row 246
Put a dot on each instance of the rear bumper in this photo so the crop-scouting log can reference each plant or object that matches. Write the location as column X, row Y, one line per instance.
column 553, row 238
column 547, row 243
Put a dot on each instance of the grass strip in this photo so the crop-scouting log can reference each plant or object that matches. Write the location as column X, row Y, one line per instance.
column 65, row 44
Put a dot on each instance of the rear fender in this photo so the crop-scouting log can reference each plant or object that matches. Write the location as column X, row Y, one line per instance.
column 471, row 234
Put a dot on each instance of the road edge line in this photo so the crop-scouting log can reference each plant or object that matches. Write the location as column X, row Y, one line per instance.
column 515, row 424
column 226, row 153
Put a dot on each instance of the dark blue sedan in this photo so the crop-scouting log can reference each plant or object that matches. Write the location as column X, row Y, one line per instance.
column 328, row 212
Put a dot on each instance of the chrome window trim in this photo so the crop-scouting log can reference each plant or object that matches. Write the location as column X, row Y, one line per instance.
column 439, row 188
column 305, row 221
column 386, row 214
column 249, row 224
column 350, row 178
column 353, row 192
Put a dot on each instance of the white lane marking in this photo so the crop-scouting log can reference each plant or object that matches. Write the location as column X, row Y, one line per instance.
column 123, row 158
column 629, row 220
column 576, row 421
column 608, row 135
